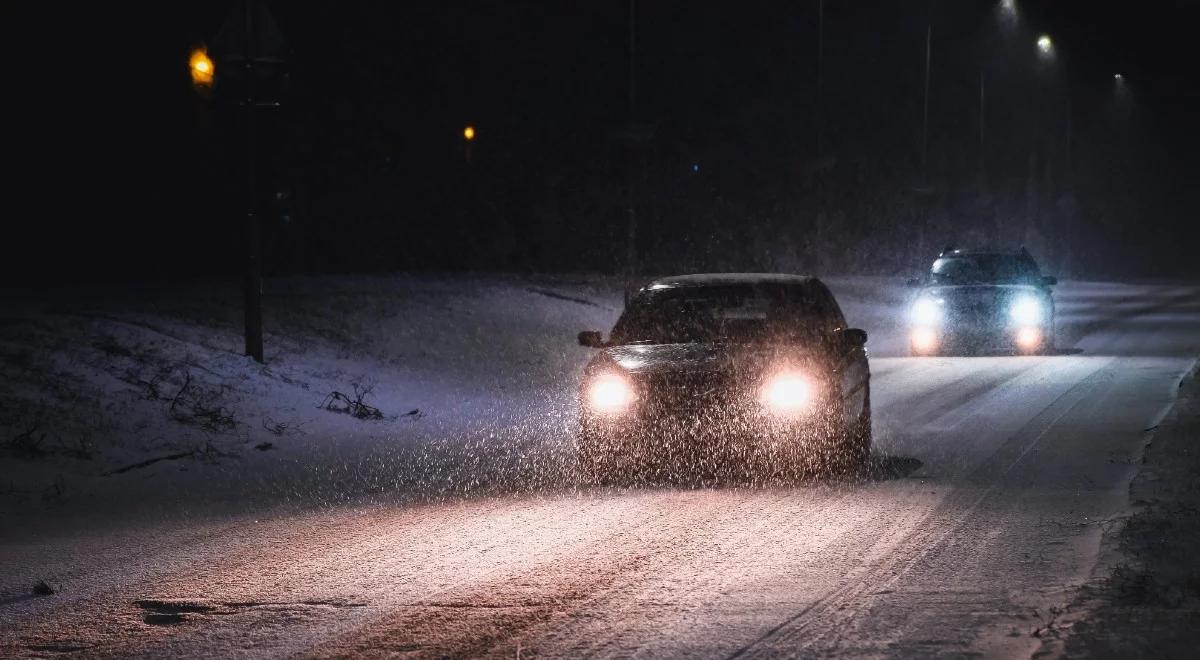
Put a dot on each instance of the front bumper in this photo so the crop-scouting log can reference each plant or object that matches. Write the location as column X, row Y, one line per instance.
column 704, row 430
column 954, row 338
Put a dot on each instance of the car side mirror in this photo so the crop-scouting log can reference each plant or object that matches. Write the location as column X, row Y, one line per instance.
column 591, row 339
column 855, row 337
column 913, row 282
column 1049, row 280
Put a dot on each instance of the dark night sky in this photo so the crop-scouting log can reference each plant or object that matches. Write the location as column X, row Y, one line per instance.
column 121, row 172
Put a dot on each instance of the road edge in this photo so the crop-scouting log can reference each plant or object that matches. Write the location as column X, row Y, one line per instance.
column 1143, row 596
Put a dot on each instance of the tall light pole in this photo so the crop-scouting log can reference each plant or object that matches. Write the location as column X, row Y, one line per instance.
column 250, row 46
column 819, row 222
column 253, row 287
column 820, row 77
column 1067, row 155
column 468, row 135
column 1047, row 55
column 1006, row 17
column 631, row 198
column 982, row 129
column 925, row 111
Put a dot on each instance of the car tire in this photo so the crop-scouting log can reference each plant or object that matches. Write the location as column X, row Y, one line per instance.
column 844, row 452
column 859, row 438
column 850, row 456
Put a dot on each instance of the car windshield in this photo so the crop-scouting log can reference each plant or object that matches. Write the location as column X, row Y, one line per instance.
column 984, row 268
column 720, row 314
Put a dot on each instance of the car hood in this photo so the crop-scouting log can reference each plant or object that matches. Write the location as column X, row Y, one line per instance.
column 695, row 358
column 957, row 295
column 968, row 289
column 985, row 304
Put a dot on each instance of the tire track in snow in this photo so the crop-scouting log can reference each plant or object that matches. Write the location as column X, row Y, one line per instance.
column 835, row 608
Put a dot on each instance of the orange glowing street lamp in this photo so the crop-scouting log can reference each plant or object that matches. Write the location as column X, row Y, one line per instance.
column 468, row 134
column 201, row 67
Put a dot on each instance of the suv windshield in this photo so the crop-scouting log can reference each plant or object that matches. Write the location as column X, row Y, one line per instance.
column 716, row 314
column 985, row 269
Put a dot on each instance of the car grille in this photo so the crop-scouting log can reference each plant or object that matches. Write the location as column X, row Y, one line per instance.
column 979, row 308
column 692, row 392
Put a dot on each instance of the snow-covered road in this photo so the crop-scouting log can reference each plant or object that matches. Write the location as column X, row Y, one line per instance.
column 993, row 480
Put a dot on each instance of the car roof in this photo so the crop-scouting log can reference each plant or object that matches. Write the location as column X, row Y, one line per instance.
column 982, row 252
column 721, row 279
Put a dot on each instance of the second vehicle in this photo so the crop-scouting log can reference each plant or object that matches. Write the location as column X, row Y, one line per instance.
column 976, row 301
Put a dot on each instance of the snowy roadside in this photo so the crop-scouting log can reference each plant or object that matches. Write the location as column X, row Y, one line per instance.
column 141, row 399
column 1144, row 600
column 116, row 401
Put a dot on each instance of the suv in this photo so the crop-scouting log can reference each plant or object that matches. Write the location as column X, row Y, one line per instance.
column 760, row 365
column 981, row 300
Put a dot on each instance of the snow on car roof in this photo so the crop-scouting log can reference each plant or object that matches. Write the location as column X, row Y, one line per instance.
column 716, row 279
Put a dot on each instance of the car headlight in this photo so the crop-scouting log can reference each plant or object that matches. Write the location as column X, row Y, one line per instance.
column 927, row 311
column 1026, row 310
column 1029, row 339
column 609, row 393
column 788, row 393
column 924, row 340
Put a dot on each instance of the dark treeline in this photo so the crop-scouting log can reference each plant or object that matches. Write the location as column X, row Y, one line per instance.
column 737, row 159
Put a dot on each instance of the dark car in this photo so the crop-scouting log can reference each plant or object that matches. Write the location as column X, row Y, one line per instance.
column 982, row 300
column 755, row 368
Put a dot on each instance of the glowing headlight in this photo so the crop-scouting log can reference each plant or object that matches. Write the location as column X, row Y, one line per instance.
column 788, row 393
column 924, row 340
column 927, row 311
column 1026, row 310
column 1029, row 339
column 609, row 393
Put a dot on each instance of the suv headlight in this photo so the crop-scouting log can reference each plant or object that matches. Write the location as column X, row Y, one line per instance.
column 927, row 311
column 1026, row 310
column 609, row 393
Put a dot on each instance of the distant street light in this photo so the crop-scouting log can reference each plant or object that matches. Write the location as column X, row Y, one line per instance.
column 468, row 134
column 1120, row 88
column 1007, row 15
column 1045, row 45
column 202, row 69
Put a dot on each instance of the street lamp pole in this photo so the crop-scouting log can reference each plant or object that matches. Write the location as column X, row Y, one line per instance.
column 1067, row 169
column 631, row 197
column 468, row 135
column 250, row 45
column 982, row 130
column 252, row 289
column 820, row 77
column 819, row 221
column 925, row 112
